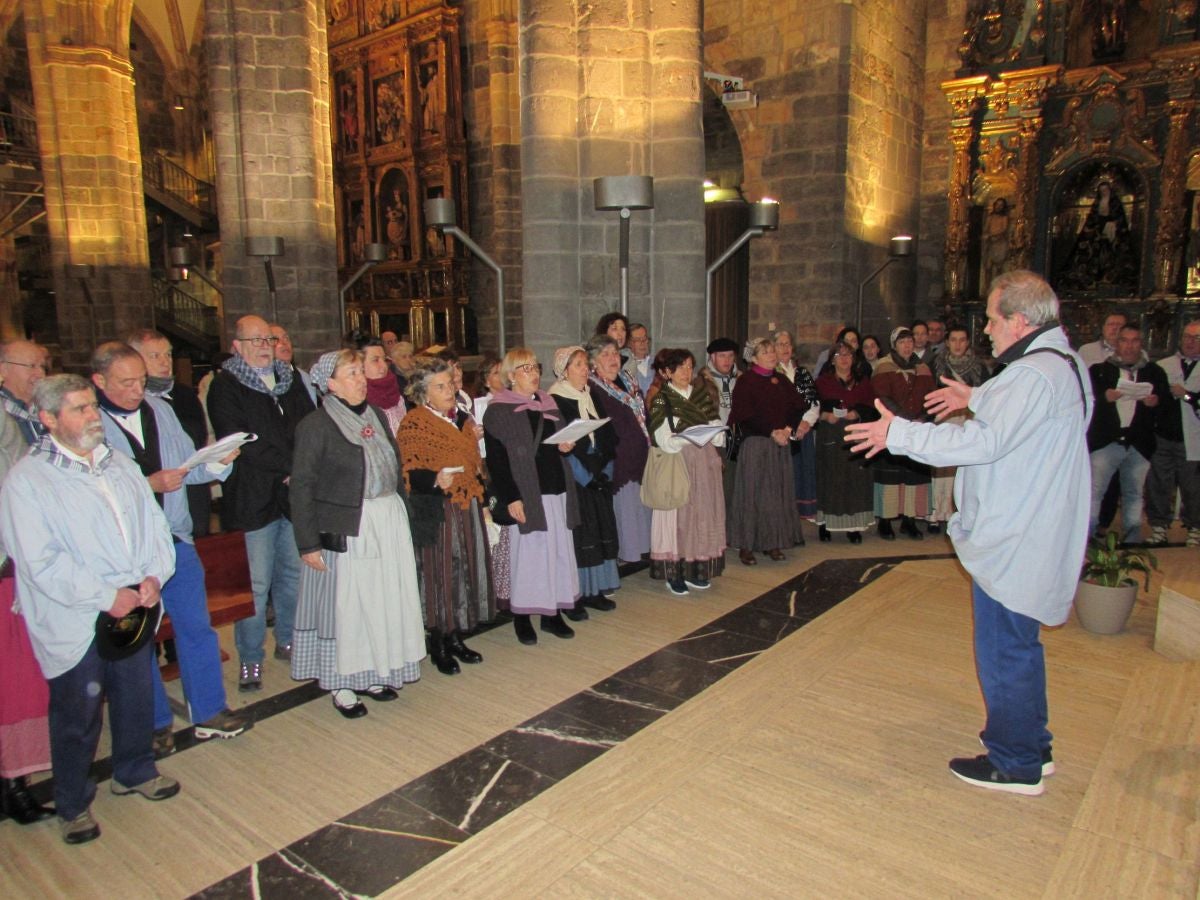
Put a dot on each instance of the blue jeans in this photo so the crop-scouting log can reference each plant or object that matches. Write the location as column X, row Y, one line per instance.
column 1132, row 467
column 199, row 653
column 275, row 573
column 1012, row 673
column 76, row 700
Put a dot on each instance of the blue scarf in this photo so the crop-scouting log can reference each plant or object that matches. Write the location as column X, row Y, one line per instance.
column 251, row 377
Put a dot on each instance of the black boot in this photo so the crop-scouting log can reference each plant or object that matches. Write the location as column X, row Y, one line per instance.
column 18, row 804
column 524, row 628
column 855, row 537
column 823, row 533
column 885, row 530
column 600, row 602
column 556, row 626
column 909, row 527
column 577, row 613
column 446, row 664
column 456, row 647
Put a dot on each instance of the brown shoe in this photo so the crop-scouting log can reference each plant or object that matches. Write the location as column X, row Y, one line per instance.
column 776, row 555
column 747, row 558
column 158, row 788
column 164, row 742
column 81, row 829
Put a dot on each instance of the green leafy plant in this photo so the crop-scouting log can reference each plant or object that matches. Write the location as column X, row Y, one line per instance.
column 1109, row 565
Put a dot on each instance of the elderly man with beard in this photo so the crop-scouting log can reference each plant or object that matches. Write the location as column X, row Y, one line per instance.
column 87, row 537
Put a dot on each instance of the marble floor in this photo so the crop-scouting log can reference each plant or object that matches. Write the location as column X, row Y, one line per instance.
column 783, row 734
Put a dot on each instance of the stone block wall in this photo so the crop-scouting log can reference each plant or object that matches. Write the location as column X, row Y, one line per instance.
column 269, row 106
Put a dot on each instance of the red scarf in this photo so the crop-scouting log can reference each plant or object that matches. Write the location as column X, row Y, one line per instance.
column 383, row 392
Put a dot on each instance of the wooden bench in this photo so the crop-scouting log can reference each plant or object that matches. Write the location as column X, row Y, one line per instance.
column 227, row 580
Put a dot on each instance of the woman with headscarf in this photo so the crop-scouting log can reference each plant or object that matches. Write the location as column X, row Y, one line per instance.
column 592, row 467
column 803, row 445
column 383, row 390
column 687, row 545
column 358, row 619
column 439, row 456
column 846, row 489
column 622, row 402
column 766, row 411
column 533, row 497
column 901, row 382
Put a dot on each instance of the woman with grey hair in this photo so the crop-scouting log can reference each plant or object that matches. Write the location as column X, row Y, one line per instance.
column 439, row 456
column 622, row 402
column 358, row 619
column 766, row 411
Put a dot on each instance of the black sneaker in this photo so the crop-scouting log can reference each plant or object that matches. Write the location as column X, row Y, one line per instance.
column 1047, row 758
column 677, row 586
column 980, row 772
column 699, row 584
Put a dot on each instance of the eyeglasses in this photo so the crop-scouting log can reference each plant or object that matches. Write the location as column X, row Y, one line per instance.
column 13, row 362
column 260, row 341
column 530, row 368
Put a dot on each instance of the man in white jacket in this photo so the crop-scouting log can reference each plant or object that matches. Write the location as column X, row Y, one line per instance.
column 1022, row 492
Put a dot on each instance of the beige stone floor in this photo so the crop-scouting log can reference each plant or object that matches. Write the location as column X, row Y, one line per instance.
column 818, row 769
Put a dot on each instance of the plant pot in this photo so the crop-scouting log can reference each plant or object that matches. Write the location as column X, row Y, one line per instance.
column 1104, row 610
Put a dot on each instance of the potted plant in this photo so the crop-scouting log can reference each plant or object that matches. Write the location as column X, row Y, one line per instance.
column 1107, row 591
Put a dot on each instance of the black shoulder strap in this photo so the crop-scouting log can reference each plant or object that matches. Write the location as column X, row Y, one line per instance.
column 1070, row 362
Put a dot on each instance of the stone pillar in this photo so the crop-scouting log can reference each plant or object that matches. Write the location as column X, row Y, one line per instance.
column 269, row 105
column 91, row 163
column 611, row 89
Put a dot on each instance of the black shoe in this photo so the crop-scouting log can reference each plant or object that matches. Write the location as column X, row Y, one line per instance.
column 524, row 629
column 456, row 647
column 980, row 772
column 909, row 527
column 934, row 528
column 599, row 602
column 799, row 542
column 380, row 693
column 677, row 586
column 577, row 613
column 885, row 530
column 556, row 626
column 18, row 804
column 1048, row 768
column 854, row 537
column 355, row 711
column 823, row 534
column 443, row 661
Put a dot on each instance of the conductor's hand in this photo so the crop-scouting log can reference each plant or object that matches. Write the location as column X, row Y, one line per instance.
column 870, row 437
column 948, row 400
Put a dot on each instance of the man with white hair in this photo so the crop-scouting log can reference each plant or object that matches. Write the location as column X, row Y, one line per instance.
column 22, row 366
column 87, row 537
column 1022, row 492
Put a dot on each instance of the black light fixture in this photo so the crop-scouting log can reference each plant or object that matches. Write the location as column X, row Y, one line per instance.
column 624, row 193
column 440, row 214
column 900, row 247
column 373, row 254
column 267, row 248
column 764, row 217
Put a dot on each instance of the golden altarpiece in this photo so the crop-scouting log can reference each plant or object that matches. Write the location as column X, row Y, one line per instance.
column 1075, row 153
column 398, row 141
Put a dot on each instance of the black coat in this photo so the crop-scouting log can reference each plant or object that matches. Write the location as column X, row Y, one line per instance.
column 255, row 494
column 1105, row 427
column 328, row 474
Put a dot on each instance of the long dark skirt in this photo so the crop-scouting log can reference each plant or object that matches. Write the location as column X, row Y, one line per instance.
column 596, row 542
column 846, row 490
column 901, row 487
column 763, row 515
column 805, row 465
column 456, row 584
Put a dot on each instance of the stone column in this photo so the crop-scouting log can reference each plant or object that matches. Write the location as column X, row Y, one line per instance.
column 269, row 102
column 91, row 163
column 611, row 89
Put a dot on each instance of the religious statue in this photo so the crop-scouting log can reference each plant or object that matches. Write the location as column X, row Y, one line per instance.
column 995, row 242
column 1110, row 31
column 389, row 110
column 1103, row 256
column 430, row 90
column 396, row 214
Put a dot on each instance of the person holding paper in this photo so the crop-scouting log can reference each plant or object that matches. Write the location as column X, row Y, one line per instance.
column 439, row 458
column 358, row 624
column 596, row 541
column 768, row 410
column 687, row 545
column 1120, row 437
column 533, row 498
column 846, row 488
column 145, row 429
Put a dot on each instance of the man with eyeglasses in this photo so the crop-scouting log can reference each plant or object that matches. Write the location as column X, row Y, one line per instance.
column 285, row 353
column 23, row 365
column 257, row 393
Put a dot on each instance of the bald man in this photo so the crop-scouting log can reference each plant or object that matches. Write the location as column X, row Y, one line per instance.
column 258, row 393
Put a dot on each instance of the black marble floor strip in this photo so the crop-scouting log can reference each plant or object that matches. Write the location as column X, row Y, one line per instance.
column 381, row 844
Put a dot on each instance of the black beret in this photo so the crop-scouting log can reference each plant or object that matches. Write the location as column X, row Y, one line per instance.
column 721, row 345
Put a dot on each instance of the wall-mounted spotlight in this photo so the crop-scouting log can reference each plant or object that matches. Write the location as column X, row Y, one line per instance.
column 764, row 217
column 373, row 254
column 440, row 214
column 183, row 264
column 899, row 247
column 267, row 248
column 624, row 193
